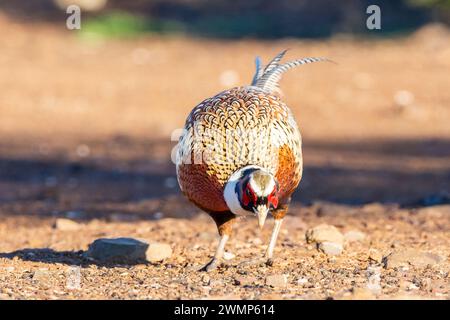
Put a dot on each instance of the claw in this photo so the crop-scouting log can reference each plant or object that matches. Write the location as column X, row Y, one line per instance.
column 269, row 262
column 210, row 266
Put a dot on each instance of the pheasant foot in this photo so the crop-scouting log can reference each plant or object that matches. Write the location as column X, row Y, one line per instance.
column 210, row 266
column 218, row 256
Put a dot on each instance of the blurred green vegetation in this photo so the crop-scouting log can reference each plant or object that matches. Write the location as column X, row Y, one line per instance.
column 261, row 18
column 120, row 24
column 266, row 19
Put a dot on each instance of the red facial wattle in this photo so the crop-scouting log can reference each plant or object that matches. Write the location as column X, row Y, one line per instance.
column 273, row 199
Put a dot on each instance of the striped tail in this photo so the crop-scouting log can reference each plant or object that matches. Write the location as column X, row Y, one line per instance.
column 269, row 77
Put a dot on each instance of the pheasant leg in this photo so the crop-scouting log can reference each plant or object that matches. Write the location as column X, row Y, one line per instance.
column 224, row 222
column 273, row 241
column 217, row 256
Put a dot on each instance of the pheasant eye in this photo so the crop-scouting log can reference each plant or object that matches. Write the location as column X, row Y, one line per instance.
column 247, row 196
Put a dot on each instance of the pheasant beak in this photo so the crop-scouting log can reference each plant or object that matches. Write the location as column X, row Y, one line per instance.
column 261, row 211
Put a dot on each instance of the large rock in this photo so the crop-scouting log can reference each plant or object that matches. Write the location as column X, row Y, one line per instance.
column 412, row 257
column 324, row 233
column 118, row 250
column 328, row 239
column 158, row 252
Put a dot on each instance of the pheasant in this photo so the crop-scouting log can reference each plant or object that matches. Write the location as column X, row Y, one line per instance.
column 240, row 154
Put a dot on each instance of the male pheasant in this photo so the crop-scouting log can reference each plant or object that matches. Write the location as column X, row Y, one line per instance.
column 240, row 154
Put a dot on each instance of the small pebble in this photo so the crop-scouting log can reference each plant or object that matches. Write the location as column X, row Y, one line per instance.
column 331, row 248
column 323, row 233
column 43, row 277
column 228, row 255
column 206, row 279
column 277, row 281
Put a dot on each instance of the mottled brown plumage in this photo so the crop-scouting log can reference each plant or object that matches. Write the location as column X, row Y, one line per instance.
column 265, row 134
column 241, row 153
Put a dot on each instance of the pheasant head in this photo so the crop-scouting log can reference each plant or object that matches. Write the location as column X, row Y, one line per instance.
column 252, row 191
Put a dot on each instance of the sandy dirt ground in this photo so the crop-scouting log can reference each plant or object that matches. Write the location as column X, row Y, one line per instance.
column 85, row 134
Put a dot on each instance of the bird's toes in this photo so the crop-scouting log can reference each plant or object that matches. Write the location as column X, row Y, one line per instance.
column 210, row 266
column 269, row 262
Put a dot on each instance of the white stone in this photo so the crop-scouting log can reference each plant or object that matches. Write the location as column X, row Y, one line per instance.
column 228, row 255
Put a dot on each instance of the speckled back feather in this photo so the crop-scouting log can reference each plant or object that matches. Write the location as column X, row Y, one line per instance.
column 242, row 126
column 238, row 127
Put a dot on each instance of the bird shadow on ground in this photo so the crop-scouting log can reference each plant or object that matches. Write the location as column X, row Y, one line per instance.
column 72, row 258
column 404, row 172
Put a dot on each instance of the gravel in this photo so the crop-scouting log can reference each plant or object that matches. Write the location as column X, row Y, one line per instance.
column 41, row 275
column 245, row 280
column 316, row 276
column 375, row 255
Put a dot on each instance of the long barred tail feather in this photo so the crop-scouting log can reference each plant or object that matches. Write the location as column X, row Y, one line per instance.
column 259, row 70
column 269, row 78
column 275, row 61
column 272, row 64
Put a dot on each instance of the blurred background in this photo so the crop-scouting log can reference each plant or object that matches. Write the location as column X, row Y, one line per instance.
column 86, row 116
